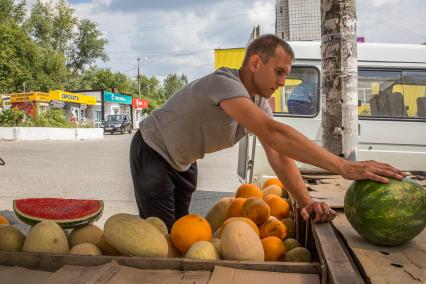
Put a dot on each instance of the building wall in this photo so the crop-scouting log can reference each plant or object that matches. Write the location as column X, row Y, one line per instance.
column 298, row 19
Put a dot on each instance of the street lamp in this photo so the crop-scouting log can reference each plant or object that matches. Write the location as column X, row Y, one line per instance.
column 139, row 78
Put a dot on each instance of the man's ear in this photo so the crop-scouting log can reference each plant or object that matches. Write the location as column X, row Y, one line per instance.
column 254, row 62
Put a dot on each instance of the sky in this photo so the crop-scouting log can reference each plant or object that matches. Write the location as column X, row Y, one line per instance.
column 180, row 36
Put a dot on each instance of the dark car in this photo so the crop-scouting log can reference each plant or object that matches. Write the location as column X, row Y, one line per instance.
column 117, row 123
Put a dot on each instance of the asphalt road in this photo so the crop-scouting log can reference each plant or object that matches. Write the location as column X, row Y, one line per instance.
column 98, row 169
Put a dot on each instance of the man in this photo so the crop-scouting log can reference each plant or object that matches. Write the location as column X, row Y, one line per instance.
column 213, row 113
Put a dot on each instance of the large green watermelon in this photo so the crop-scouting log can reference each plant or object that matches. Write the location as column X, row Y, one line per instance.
column 68, row 213
column 386, row 214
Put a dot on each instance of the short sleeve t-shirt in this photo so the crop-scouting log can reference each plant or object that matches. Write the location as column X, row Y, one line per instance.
column 191, row 123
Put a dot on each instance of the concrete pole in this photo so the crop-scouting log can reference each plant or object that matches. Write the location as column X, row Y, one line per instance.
column 139, row 78
column 339, row 98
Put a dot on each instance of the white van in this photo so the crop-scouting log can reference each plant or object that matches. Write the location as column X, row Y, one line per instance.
column 392, row 106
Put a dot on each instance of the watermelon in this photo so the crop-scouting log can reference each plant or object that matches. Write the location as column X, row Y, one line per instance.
column 386, row 214
column 68, row 213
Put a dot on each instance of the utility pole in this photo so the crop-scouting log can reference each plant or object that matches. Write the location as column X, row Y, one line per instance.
column 339, row 77
column 139, row 80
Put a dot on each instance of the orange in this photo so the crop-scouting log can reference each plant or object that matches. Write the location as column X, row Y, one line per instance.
column 279, row 207
column 271, row 181
column 274, row 248
column 188, row 230
column 247, row 190
column 235, row 207
column 3, row 220
column 273, row 227
column 257, row 210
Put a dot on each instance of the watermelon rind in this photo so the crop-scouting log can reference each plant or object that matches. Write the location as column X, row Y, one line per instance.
column 386, row 214
column 64, row 223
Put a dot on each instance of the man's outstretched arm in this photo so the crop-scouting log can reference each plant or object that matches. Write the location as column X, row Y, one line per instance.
column 289, row 142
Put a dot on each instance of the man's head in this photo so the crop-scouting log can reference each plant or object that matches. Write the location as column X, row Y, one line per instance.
column 266, row 64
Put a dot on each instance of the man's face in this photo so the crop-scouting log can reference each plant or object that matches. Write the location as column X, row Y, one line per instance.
column 270, row 76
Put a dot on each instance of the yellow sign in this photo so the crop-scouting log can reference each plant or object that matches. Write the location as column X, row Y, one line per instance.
column 72, row 97
column 29, row 97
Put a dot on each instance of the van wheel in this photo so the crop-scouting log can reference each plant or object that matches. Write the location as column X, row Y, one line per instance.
column 122, row 130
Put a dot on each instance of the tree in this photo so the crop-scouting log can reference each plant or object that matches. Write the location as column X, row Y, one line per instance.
column 171, row 84
column 88, row 46
column 104, row 79
column 10, row 11
column 56, row 27
column 22, row 60
column 339, row 77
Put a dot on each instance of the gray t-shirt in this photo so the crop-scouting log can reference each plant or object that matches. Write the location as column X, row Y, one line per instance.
column 191, row 123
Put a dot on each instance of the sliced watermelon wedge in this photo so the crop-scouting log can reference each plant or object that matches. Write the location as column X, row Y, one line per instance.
column 68, row 213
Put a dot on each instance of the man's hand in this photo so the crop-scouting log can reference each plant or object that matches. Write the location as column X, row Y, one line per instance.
column 322, row 212
column 370, row 170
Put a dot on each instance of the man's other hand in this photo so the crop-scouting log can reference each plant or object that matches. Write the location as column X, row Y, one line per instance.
column 320, row 210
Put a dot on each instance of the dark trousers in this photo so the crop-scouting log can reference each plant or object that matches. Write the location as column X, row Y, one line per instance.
column 160, row 190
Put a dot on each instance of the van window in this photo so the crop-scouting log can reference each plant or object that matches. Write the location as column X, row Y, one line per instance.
column 300, row 95
column 392, row 93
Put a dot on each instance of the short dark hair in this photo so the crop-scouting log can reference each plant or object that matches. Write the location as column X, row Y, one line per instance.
column 265, row 46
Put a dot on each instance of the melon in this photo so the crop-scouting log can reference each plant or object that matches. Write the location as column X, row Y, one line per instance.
column 133, row 236
column 240, row 242
column 11, row 239
column 173, row 251
column 386, row 214
column 291, row 243
column 290, row 226
column 218, row 213
column 86, row 234
column 159, row 224
column 203, row 250
column 272, row 189
column 85, row 249
column 106, row 248
column 298, row 254
column 46, row 237
column 68, row 213
column 216, row 243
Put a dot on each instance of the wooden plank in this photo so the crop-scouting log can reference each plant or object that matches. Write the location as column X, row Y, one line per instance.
column 339, row 267
column 329, row 193
column 52, row 262
column 289, row 267
column 382, row 264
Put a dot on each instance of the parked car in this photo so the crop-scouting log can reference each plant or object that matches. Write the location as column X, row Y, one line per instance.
column 117, row 123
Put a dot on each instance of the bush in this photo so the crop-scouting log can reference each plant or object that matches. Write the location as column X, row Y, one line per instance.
column 13, row 117
column 52, row 118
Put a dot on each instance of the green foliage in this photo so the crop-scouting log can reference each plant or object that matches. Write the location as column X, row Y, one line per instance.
column 173, row 83
column 53, row 118
column 12, row 117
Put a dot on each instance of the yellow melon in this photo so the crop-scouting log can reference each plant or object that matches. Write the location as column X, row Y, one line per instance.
column 85, row 249
column 46, row 237
column 11, row 239
column 218, row 213
column 159, row 224
column 86, row 234
column 203, row 250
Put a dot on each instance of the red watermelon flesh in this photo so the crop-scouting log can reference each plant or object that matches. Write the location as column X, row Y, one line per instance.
column 68, row 213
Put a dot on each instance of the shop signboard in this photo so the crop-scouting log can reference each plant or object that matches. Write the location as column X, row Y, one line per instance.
column 57, row 104
column 139, row 103
column 72, row 97
column 117, row 98
column 29, row 97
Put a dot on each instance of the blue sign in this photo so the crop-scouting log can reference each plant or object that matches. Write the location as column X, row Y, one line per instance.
column 117, row 98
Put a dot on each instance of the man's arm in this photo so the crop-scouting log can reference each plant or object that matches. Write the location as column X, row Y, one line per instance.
column 287, row 171
column 291, row 143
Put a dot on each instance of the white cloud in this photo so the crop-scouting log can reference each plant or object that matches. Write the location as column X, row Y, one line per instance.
column 180, row 36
